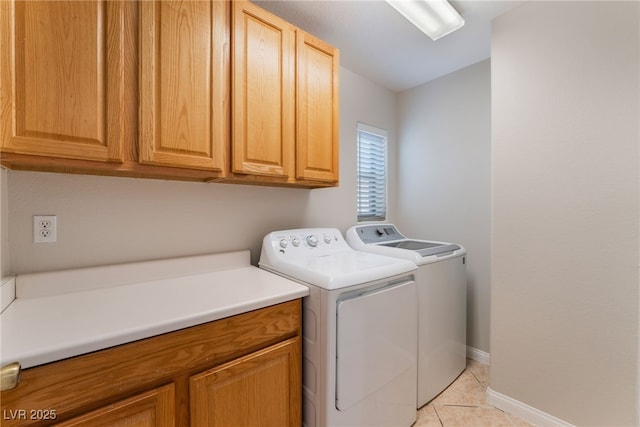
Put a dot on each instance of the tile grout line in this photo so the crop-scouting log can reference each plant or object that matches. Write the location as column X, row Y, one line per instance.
column 445, row 419
column 438, row 415
column 477, row 379
column 454, row 405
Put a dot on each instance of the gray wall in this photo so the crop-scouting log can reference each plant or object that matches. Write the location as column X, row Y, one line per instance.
column 360, row 101
column 444, row 184
column 4, row 224
column 565, row 285
column 103, row 220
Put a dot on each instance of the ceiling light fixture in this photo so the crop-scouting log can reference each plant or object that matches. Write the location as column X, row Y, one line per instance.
column 436, row 18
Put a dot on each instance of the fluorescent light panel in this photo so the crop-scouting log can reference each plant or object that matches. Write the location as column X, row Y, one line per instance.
column 436, row 18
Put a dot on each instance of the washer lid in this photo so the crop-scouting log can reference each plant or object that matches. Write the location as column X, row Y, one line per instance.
column 424, row 248
column 341, row 270
column 385, row 239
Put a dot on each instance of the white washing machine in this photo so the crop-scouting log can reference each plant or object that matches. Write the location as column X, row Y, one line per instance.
column 359, row 328
column 442, row 301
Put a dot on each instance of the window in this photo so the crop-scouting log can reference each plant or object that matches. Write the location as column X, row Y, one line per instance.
column 372, row 173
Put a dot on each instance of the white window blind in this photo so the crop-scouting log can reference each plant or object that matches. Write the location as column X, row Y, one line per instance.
column 372, row 173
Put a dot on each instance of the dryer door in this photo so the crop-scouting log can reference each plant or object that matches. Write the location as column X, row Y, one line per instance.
column 376, row 346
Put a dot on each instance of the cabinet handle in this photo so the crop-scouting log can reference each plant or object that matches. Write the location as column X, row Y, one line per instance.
column 10, row 376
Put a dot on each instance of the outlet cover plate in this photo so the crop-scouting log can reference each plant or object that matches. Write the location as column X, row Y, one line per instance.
column 45, row 229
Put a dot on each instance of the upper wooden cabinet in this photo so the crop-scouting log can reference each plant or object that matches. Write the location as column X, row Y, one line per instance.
column 317, row 110
column 62, row 79
column 201, row 90
column 263, row 92
column 184, row 84
column 285, row 93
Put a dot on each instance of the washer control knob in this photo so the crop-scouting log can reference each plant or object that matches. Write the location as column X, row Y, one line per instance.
column 312, row 240
column 327, row 239
column 283, row 243
column 295, row 241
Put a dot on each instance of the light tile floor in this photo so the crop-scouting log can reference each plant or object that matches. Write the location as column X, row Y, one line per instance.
column 463, row 404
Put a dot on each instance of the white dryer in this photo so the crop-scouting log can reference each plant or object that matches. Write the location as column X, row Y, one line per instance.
column 442, row 301
column 359, row 328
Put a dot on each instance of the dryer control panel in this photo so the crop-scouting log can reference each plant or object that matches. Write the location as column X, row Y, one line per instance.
column 378, row 233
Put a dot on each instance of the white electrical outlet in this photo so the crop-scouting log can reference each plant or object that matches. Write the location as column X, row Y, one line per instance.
column 44, row 229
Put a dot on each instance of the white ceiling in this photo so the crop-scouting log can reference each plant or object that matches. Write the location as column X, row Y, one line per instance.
column 378, row 43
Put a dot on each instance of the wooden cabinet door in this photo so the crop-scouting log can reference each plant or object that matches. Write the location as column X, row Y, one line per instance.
column 317, row 138
column 263, row 92
column 260, row 389
column 185, row 84
column 62, row 78
column 155, row 408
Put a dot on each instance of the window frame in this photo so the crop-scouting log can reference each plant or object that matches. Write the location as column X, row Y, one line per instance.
column 371, row 213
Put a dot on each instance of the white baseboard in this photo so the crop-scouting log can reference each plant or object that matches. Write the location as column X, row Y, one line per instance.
column 523, row 411
column 478, row 355
column 512, row 406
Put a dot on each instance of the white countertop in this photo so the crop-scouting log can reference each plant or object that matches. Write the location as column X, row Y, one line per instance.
column 43, row 325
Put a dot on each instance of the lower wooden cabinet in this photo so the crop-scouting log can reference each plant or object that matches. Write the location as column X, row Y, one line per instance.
column 244, row 370
column 241, row 393
column 153, row 408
